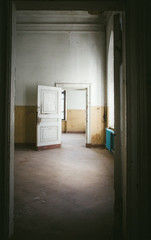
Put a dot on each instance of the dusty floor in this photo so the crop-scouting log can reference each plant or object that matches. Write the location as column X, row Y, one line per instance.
column 64, row 193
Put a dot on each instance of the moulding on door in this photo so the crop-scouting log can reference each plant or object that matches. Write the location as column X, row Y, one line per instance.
column 77, row 86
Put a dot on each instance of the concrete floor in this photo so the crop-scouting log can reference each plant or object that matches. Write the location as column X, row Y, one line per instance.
column 64, row 193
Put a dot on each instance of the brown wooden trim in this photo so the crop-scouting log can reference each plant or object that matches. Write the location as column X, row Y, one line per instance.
column 75, row 131
column 48, row 147
column 25, row 145
column 90, row 145
column 99, row 145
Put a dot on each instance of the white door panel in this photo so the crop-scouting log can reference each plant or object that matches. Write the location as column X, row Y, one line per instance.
column 48, row 116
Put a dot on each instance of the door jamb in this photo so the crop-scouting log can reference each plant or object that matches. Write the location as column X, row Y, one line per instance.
column 87, row 87
column 93, row 7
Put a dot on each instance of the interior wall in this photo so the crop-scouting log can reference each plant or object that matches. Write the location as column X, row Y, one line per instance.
column 110, row 71
column 76, row 111
column 25, row 124
column 76, row 121
column 97, row 125
column 49, row 57
column 76, row 99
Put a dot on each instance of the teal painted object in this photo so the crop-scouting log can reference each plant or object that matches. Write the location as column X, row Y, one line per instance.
column 112, row 141
column 109, row 139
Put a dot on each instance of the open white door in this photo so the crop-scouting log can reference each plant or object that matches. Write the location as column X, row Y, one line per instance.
column 48, row 117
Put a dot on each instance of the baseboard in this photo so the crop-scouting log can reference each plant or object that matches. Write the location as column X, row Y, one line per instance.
column 88, row 145
column 48, row 147
column 33, row 146
column 75, row 132
column 25, row 145
column 91, row 145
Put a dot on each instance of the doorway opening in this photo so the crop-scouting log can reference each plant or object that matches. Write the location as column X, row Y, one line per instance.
column 78, row 109
column 96, row 115
column 74, row 115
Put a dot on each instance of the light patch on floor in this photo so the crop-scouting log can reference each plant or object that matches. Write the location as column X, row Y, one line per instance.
column 64, row 193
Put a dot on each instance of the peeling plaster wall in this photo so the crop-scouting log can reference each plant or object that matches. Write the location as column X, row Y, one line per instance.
column 97, row 125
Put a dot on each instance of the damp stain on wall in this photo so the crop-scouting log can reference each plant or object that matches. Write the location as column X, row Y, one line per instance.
column 97, row 125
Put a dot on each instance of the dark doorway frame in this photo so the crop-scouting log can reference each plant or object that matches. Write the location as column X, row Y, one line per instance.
column 74, row 5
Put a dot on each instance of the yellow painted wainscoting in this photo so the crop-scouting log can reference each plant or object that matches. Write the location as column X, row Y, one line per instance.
column 107, row 116
column 25, row 124
column 64, row 123
column 76, row 120
column 97, row 125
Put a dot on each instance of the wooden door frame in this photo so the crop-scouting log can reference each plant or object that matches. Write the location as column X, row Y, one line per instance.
column 75, row 5
column 87, row 87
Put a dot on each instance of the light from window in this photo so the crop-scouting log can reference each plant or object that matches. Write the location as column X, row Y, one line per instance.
column 63, row 104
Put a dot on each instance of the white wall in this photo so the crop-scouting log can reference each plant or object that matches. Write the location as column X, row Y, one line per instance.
column 76, row 99
column 110, row 71
column 59, row 57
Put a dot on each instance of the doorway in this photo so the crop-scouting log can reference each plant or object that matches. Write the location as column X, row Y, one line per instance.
column 73, row 52
column 74, row 115
column 78, row 97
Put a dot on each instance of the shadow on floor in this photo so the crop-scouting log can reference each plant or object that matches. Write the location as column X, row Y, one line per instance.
column 64, row 193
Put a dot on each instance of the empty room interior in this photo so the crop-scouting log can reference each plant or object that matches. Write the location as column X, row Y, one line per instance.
column 66, row 192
